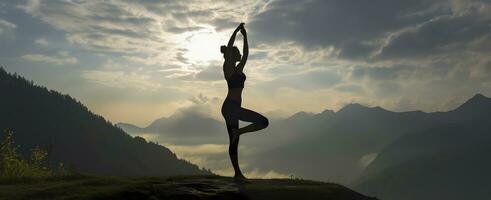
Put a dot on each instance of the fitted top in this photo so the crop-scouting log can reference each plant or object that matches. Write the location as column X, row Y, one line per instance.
column 236, row 80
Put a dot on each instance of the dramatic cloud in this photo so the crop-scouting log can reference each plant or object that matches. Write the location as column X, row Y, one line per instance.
column 63, row 58
column 215, row 157
column 210, row 74
column 446, row 34
column 143, row 29
column 305, row 55
column 41, row 41
column 120, row 79
column 6, row 26
column 30, row 6
column 311, row 80
column 346, row 25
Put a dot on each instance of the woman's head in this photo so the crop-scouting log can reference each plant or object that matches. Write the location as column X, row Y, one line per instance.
column 236, row 56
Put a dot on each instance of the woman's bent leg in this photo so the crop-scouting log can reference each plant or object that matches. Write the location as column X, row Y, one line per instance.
column 257, row 120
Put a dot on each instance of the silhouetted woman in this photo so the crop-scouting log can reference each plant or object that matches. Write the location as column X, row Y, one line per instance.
column 231, row 108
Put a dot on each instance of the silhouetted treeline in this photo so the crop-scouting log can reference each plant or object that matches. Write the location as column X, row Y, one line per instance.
column 74, row 135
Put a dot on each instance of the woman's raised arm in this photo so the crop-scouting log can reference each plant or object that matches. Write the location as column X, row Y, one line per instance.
column 230, row 45
column 245, row 50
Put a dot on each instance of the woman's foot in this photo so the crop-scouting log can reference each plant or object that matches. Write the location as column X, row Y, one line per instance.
column 241, row 179
column 235, row 135
column 236, row 131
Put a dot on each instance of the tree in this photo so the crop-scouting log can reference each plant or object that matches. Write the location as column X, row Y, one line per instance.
column 12, row 165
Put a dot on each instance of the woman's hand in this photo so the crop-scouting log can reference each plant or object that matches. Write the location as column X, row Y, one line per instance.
column 243, row 31
column 232, row 38
column 240, row 27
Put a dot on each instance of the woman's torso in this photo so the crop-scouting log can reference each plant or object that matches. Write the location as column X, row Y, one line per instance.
column 235, row 94
column 235, row 83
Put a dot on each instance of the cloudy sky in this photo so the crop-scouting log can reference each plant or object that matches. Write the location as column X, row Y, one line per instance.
column 136, row 61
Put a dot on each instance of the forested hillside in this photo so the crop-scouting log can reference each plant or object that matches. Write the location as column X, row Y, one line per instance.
column 72, row 134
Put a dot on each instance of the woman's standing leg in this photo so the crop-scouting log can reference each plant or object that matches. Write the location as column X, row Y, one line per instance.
column 233, row 146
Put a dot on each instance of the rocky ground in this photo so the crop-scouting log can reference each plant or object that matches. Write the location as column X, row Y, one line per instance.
column 182, row 188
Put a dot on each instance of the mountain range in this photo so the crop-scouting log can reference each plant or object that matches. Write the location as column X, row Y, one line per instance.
column 439, row 162
column 379, row 152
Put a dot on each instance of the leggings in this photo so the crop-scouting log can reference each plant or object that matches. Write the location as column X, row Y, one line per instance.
column 233, row 112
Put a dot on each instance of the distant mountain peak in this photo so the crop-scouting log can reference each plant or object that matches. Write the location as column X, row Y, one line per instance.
column 478, row 96
column 327, row 112
column 478, row 101
column 352, row 107
column 356, row 108
column 301, row 114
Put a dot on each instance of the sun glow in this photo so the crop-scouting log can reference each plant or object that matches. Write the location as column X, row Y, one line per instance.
column 203, row 47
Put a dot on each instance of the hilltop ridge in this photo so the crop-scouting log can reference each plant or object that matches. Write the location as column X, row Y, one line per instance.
column 178, row 188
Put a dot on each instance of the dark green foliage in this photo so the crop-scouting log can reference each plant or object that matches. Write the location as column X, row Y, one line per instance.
column 74, row 135
column 13, row 165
